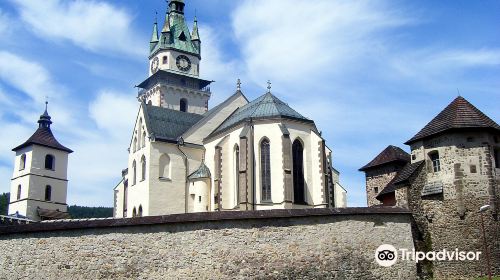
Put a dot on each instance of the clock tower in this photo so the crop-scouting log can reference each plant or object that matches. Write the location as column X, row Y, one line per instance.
column 174, row 65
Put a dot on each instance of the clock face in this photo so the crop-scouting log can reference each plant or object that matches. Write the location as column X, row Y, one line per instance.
column 183, row 63
column 154, row 65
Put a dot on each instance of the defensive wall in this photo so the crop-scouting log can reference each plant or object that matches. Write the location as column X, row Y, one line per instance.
column 272, row 244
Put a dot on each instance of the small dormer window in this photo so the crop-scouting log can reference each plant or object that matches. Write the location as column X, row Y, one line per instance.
column 165, row 60
column 182, row 37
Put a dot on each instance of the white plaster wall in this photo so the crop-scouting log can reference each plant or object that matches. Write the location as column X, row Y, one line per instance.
column 200, row 188
column 118, row 200
column 340, row 196
column 172, row 95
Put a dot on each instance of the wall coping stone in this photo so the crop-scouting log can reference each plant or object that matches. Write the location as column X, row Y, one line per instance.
column 195, row 217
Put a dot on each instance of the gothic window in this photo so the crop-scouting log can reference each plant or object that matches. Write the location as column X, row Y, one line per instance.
column 140, row 211
column 135, row 144
column 139, row 133
column 22, row 164
column 165, row 60
column 125, row 197
column 183, row 105
column 143, row 168
column 48, row 193
column 134, row 213
column 150, row 103
column 436, row 165
column 298, row 172
column 49, row 162
column 134, row 173
column 236, row 173
column 19, row 192
column 265, row 169
column 143, row 139
column 164, row 166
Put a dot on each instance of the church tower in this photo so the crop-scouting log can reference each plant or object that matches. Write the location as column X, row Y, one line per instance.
column 174, row 65
column 39, row 184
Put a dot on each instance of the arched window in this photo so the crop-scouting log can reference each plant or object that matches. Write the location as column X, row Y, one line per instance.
column 165, row 60
column 164, row 166
column 48, row 193
column 134, row 213
column 140, row 210
column 125, row 198
column 143, row 139
column 49, row 162
column 298, row 172
column 265, row 169
column 135, row 144
column 139, row 133
column 143, row 168
column 134, row 173
column 183, row 105
column 22, row 163
column 436, row 165
column 237, row 173
column 150, row 102
column 19, row 192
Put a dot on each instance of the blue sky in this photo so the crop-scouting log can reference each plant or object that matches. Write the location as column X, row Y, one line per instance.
column 370, row 73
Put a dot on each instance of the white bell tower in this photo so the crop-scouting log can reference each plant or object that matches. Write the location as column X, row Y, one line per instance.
column 39, row 184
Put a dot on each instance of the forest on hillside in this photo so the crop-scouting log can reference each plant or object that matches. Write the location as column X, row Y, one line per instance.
column 76, row 212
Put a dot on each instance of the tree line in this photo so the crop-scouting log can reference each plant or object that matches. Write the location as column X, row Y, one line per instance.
column 76, row 212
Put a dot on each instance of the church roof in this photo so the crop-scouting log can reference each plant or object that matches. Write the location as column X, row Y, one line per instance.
column 43, row 136
column 167, row 124
column 266, row 106
column 459, row 114
column 47, row 214
column 166, row 76
column 388, row 155
column 201, row 172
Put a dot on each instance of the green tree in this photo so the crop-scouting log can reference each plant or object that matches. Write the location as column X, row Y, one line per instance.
column 4, row 203
column 80, row 212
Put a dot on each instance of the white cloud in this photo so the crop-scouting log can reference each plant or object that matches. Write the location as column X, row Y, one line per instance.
column 319, row 38
column 101, row 153
column 93, row 25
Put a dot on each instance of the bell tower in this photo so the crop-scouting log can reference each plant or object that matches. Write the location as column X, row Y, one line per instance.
column 39, row 183
column 174, row 65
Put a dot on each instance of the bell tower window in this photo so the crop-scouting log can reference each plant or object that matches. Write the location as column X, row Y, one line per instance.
column 49, row 162
column 183, row 105
column 22, row 164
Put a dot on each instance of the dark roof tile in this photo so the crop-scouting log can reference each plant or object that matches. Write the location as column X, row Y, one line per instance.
column 388, row 155
column 459, row 114
column 43, row 136
column 167, row 124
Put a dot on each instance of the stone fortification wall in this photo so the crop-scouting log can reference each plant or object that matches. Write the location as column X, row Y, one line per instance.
column 279, row 244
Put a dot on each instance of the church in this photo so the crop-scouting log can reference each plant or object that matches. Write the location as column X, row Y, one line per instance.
column 239, row 155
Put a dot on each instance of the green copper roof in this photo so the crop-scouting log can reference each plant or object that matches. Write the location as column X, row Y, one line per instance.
column 178, row 38
column 201, row 172
column 154, row 36
column 167, row 124
column 267, row 106
column 195, row 35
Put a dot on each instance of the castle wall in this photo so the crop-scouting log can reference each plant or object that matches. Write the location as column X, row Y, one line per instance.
column 293, row 244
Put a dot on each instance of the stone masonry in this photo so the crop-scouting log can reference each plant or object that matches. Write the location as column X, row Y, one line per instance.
column 276, row 244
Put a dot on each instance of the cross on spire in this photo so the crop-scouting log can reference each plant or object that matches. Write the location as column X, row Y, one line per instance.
column 269, row 86
column 238, row 85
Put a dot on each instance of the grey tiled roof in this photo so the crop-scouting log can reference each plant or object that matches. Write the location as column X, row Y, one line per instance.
column 201, row 172
column 264, row 107
column 167, row 124
column 407, row 171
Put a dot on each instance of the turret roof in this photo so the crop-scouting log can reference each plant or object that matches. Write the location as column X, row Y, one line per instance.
column 459, row 114
column 388, row 155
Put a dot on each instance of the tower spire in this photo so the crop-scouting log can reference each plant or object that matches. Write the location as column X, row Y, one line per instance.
column 44, row 120
column 154, row 36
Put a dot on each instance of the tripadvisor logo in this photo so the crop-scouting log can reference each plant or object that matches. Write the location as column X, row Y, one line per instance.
column 387, row 255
